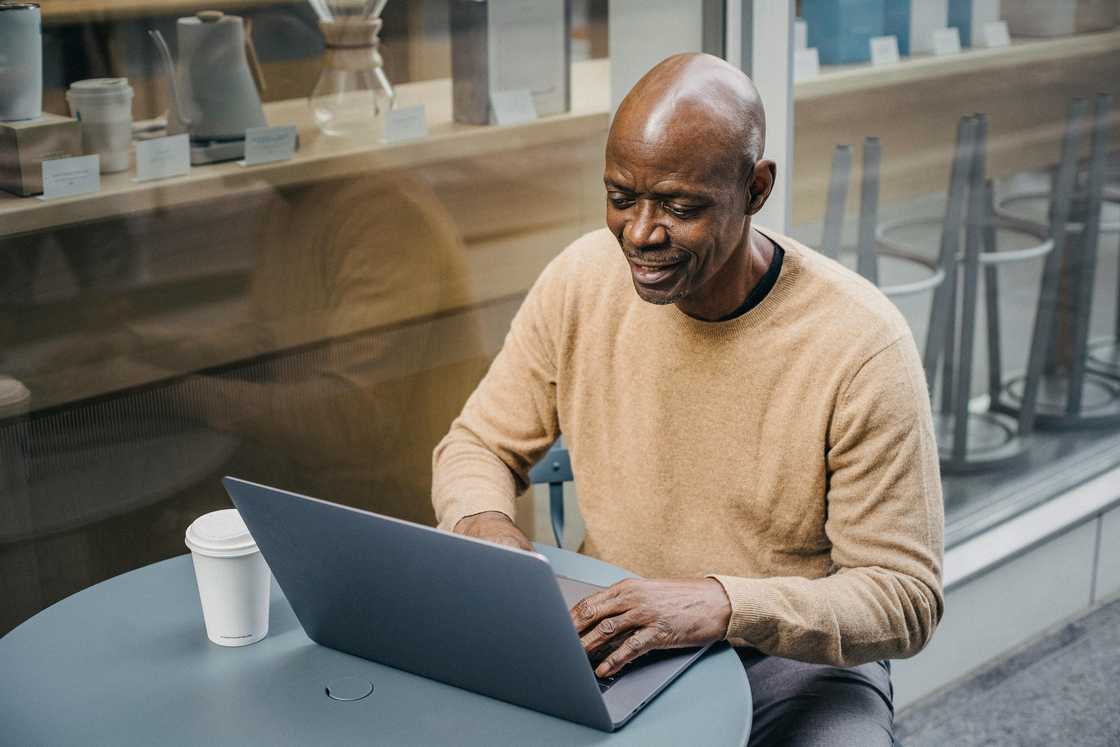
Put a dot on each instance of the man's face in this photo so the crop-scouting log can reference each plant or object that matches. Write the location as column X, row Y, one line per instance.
column 678, row 210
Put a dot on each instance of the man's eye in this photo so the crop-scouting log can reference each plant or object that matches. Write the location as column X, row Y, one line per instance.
column 621, row 202
column 681, row 211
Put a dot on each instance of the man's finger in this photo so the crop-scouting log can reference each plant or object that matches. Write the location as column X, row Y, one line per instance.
column 590, row 610
column 609, row 628
column 513, row 541
column 639, row 643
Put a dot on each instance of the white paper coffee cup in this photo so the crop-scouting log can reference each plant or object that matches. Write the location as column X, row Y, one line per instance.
column 104, row 107
column 233, row 579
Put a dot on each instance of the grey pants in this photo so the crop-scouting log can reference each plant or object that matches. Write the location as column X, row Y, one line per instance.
column 803, row 705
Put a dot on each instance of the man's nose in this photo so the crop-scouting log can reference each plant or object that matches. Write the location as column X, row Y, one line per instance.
column 644, row 231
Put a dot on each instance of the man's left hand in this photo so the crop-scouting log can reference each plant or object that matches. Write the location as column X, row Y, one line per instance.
column 639, row 615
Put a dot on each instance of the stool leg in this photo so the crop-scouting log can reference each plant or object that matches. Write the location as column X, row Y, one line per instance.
column 1044, row 319
column 1087, row 261
column 832, row 234
column 868, row 260
column 991, row 297
column 940, row 337
column 973, row 237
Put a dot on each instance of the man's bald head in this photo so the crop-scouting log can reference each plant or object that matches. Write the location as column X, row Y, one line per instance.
column 684, row 173
column 695, row 92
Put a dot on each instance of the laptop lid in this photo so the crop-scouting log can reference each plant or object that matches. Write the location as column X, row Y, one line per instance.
column 472, row 614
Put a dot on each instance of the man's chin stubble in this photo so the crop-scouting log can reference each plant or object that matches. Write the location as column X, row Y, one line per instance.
column 660, row 299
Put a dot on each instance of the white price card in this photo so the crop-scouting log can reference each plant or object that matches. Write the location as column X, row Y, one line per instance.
column 407, row 123
column 268, row 144
column 513, row 107
column 996, row 34
column 884, row 50
column 946, row 42
column 806, row 64
column 66, row 177
column 163, row 157
column 800, row 34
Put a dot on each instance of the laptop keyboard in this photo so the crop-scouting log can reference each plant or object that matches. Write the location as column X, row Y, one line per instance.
column 652, row 657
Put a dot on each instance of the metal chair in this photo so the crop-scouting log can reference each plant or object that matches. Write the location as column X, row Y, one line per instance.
column 555, row 469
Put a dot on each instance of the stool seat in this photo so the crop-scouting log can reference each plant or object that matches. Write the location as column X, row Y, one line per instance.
column 1004, row 208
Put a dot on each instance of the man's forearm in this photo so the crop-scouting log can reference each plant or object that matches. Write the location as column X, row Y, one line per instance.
column 468, row 479
column 849, row 618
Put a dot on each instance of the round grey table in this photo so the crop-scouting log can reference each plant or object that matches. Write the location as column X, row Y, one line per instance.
column 127, row 662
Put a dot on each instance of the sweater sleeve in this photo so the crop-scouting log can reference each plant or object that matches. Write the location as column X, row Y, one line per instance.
column 510, row 420
column 882, row 597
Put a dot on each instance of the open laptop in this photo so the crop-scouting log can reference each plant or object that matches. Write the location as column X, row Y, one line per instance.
column 476, row 615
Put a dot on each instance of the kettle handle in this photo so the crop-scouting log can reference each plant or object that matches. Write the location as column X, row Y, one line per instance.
column 254, row 61
column 169, row 70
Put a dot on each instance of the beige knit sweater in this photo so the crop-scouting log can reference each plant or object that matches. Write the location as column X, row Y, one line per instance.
column 788, row 452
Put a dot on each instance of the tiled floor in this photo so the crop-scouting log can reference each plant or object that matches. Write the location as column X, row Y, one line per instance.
column 1061, row 689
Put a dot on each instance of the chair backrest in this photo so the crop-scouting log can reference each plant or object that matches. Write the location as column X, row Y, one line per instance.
column 555, row 469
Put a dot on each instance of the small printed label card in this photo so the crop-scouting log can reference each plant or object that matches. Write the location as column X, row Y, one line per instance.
column 407, row 123
column 800, row 34
column 163, row 157
column 946, row 42
column 884, row 50
column 806, row 64
column 513, row 107
column 269, row 144
column 66, row 177
column 996, row 34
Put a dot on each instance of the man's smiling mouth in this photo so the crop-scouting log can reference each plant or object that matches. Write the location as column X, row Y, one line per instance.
column 648, row 274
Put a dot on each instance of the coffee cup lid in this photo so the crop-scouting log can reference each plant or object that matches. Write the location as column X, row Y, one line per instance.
column 14, row 396
column 101, row 87
column 220, row 534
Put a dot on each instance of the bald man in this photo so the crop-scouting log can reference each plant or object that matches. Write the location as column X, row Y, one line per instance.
column 748, row 424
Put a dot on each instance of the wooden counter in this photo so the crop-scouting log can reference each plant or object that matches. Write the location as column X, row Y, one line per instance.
column 322, row 157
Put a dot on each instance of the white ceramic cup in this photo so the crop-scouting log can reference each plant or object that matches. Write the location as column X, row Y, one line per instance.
column 233, row 579
column 104, row 107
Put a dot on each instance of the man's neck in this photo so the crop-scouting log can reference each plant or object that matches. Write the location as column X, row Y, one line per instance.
column 729, row 288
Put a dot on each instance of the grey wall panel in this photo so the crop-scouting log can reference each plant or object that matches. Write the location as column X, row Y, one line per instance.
column 1108, row 561
column 1000, row 610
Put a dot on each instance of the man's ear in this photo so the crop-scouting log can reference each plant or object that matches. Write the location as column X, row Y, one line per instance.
column 761, row 184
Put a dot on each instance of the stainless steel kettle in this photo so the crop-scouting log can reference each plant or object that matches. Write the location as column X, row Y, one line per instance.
column 214, row 86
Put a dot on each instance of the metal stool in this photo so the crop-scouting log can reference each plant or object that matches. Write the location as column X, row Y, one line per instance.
column 1061, row 389
column 869, row 247
column 1103, row 353
column 969, row 440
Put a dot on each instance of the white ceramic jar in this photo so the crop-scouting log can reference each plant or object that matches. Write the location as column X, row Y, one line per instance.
column 104, row 107
column 21, row 62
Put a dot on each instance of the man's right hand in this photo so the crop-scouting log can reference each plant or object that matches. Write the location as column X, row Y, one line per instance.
column 493, row 526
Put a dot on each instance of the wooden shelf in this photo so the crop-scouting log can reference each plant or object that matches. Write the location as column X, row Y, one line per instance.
column 841, row 79
column 58, row 12
column 914, row 107
column 322, row 158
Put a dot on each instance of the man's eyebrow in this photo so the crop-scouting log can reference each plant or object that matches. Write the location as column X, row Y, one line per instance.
column 672, row 193
column 698, row 196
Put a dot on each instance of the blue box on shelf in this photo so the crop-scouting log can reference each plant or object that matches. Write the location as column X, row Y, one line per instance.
column 841, row 30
